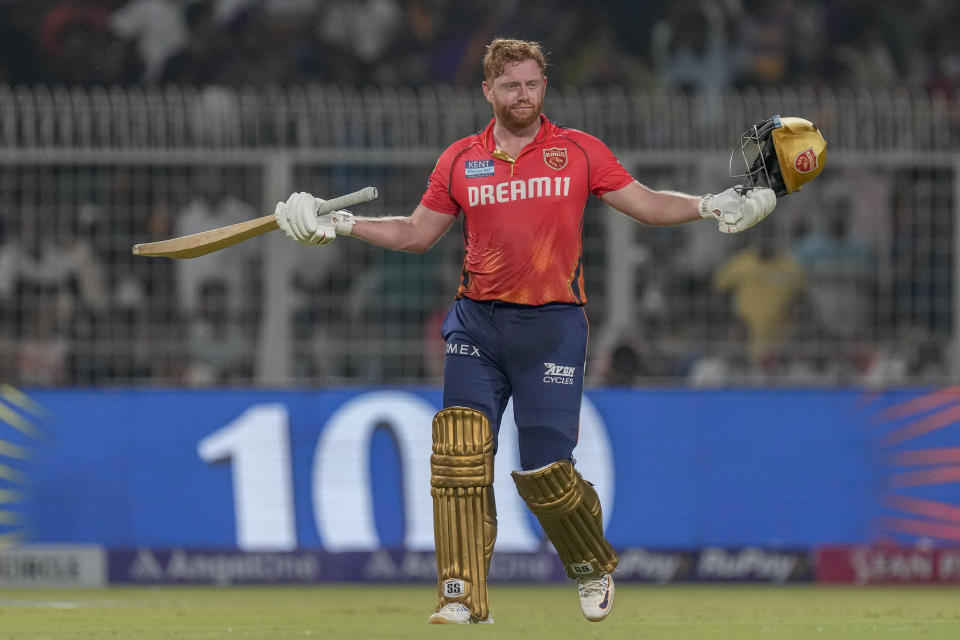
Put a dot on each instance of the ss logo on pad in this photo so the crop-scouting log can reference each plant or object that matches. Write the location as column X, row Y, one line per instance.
column 454, row 588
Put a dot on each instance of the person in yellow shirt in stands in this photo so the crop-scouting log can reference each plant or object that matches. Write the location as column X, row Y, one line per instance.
column 763, row 280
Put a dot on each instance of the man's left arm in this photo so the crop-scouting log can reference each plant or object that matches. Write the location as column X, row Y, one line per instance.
column 657, row 208
column 733, row 211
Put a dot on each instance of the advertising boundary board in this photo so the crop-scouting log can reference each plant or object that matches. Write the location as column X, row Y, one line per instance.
column 53, row 566
column 347, row 470
column 888, row 565
column 225, row 567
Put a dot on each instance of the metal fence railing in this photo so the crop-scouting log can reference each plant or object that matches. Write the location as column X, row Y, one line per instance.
column 85, row 174
column 429, row 117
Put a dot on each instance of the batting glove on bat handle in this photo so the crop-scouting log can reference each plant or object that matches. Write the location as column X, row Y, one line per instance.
column 297, row 217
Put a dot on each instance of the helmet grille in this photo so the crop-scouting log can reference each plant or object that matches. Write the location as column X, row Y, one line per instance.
column 758, row 156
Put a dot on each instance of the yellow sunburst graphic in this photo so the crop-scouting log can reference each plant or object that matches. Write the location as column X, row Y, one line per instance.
column 19, row 438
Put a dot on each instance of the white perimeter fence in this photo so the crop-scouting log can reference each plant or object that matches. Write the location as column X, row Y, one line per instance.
column 864, row 290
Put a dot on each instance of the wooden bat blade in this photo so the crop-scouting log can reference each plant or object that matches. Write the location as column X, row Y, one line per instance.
column 205, row 242
column 199, row 244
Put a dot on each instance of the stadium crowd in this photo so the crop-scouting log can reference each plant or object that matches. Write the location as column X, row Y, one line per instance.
column 72, row 312
column 658, row 44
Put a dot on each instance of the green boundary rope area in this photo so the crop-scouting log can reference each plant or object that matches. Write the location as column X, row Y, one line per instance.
column 529, row 612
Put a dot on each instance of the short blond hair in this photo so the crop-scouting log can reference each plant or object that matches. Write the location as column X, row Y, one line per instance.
column 503, row 51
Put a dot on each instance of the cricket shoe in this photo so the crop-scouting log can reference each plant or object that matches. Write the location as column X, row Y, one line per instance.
column 456, row 613
column 596, row 597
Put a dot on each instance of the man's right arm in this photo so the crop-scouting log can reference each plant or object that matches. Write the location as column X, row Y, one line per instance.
column 297, row 217
column 415, row 233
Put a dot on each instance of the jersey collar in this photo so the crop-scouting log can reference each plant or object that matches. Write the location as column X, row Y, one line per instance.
column 486, row 136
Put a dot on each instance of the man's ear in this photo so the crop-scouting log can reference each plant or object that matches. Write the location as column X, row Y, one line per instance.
column 487, row 91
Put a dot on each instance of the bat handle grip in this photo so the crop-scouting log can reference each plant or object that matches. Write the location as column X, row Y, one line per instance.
column 363, row 195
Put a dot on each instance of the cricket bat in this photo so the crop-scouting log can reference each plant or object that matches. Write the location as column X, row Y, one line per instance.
column 199, row 244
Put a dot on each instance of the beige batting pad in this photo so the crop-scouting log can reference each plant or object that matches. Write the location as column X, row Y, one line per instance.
column 464, row 512
column 568, row 509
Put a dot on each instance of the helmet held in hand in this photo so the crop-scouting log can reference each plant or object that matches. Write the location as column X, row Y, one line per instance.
column 780, row 153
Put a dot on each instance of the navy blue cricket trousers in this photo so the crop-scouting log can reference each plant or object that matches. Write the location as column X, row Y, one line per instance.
column 496, row 350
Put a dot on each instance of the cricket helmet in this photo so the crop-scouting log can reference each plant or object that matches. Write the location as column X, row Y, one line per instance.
column 780, row 153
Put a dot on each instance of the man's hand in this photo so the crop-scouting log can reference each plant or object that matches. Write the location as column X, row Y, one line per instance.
column 734, row 212
column 298, row 219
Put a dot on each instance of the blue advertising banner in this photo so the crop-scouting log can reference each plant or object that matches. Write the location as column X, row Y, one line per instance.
column 347, row 470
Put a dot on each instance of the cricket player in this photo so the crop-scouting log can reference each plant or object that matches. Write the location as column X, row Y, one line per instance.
column 517, row 326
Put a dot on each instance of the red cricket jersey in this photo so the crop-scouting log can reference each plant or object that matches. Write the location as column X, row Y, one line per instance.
column 523, row 220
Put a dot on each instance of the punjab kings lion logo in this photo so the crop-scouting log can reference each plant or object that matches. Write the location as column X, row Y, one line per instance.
column 806, row 161
column 555, row 158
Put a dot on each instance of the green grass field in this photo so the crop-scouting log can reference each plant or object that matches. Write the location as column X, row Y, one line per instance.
column 531, row 613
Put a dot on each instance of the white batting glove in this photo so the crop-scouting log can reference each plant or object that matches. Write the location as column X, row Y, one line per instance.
column 341, row 220
column 734, row 212
column 298, row 219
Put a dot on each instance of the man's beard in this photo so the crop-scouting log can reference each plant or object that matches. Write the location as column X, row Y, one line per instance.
column 516, row 121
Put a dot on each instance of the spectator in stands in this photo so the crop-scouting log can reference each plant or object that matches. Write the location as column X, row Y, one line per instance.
column 88, row 287
column 866, row 59
column 77, row 42
column 921, row 250
column 596, row 59
column 692, row 47
column 204, row 58
column 363, row 28
column 219, row 351
column 20, row 60
column 720, row 365
column 87, row 300
column 124, row 340
column 763, row 281
column 157, row 27
column 213, row 206
column 409, row 42
column 53, row 287
column 33, row 267
column 941, row 50
column 625, row 366
column 43, row 347
column 717, row 353
column 433, row 45
column 768, row 32
column 840, row 272
column 318, row 290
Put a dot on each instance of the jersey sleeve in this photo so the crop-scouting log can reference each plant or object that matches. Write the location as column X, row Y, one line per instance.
column 438, row 196
column 606, row 172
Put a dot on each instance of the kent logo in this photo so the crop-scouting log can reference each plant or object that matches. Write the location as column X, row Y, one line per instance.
column 478, row 168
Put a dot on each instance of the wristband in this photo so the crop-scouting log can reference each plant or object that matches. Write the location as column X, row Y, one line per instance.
column 703, row 205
